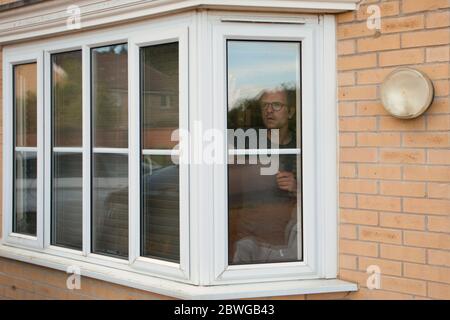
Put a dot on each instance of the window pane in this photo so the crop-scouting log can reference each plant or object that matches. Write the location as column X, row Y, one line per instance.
column 67, row 200
column 160, row 85
column 264, row 200
column 264, row 213
column 110, row 204
column 160, row 204
column 264, row 89
column 24, row 221
column 110, row 96
column 25, row 105
column 67, row 99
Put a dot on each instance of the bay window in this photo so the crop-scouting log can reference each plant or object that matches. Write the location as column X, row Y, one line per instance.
column 187, row 155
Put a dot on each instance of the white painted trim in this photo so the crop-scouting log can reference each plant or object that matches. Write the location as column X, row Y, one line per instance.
column 176, row 289
column 45, row 19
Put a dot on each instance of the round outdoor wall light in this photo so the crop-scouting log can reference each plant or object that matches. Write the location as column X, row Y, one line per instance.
column 406, row 93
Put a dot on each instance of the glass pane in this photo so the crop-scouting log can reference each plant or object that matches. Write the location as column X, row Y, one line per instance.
column 67, row 198
column 110, row 204
column 264, row 91
column 67, row 99
column 110, row 96
column 264, row 200
column 25, row 195
column 159, row 76
column 161, row 207
column 25, row 105
column 264, row 223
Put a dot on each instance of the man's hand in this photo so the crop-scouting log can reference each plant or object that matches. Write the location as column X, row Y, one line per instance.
column 286, row 181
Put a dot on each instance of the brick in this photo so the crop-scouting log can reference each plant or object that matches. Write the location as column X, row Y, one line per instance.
column 439, row 157
column 416, row 287
column 402, row 189
column 347, row 231
column 426, row 206
column 345, row 47
column 367, row 294
column 439, row 291
column 347, row 170
column 387, row 267
column 354, row 276
column 402, row 156
column 439, row 224
column 360, row 248
column 357, row 186
column 425, row 272
column 379, row 203
column 347, row 139
column 346, row 108
column 361, row 61
column 347, row 200
column 354, row 30
column 373, row 76
column 402, row 221
column 425, row 38
column 378, row 139
column 402, row 57
column 394, row 124
column 363, row 217
column 386, row 42
column 439, row 190
column 423, row 173
column 380, row 235
column 427, row 239
column 379, row 172
column 438, row 122
column 426, row 140
column 347, row 262
column 401, row 24
column 439, row 106
column 345, row 17
column 439, row 257
column 438, row 54
column 435, row 71
column 409, row 6
column 441, row 88
column 438, row 19
column 388, row 8
column 357, row 93
column 402, row 253
column 346, row 78
column 370, row 108
column 358, row 155
column 357, row 124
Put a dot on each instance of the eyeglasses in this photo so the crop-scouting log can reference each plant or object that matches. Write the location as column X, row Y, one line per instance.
column 276, row 106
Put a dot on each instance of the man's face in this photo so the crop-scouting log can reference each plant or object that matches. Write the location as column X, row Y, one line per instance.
column 274, row 119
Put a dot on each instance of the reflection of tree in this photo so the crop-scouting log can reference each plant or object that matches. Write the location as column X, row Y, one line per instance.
column 26, row 113
column 247, row 113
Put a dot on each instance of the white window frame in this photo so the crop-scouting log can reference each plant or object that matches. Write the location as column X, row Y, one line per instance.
column 203, row 271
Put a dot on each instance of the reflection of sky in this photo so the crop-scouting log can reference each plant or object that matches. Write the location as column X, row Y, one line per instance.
column 254, row 66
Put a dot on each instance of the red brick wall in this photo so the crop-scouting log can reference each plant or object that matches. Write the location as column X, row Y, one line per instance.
column 394, row 174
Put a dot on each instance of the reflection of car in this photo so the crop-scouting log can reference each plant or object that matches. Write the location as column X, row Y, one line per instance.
column 160, row 221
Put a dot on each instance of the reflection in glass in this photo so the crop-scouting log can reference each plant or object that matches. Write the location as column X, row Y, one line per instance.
column 25, row 201
column 159, row 76
column 67, row 99
column 67, row 198
column 110, row 204
column 110, row 96
column 160, row 208
column 25, row 105
column 264, row 209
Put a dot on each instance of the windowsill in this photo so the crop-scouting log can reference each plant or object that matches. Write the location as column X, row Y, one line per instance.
column 176, row 289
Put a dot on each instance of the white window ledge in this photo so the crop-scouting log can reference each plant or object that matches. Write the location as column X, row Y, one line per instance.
column 176, row 289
